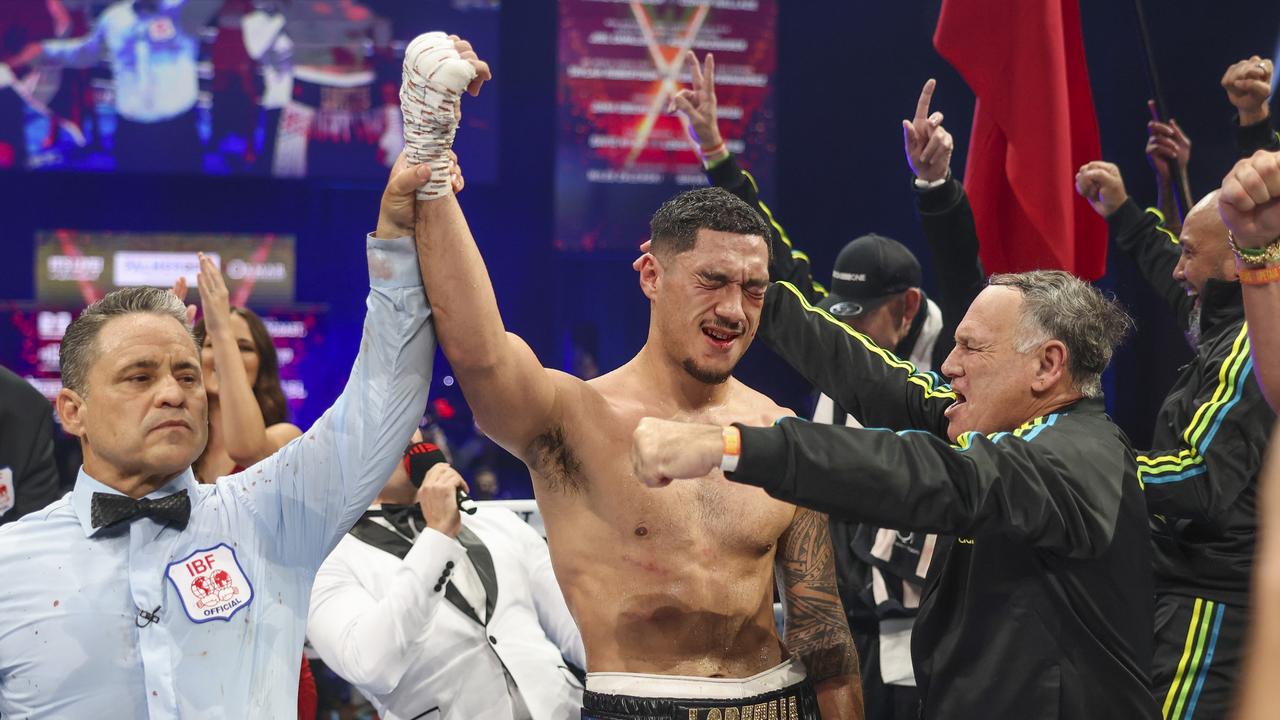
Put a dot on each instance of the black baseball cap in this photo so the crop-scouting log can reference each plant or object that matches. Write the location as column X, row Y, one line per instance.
column 868, row 271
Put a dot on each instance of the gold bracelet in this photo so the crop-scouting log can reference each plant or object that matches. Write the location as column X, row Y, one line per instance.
column 1265, row 255
column 1260, row 276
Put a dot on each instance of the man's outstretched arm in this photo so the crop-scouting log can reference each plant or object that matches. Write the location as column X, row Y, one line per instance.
column 511, row 395
column 699, row 111
column 817, row 631
column 1250, row 206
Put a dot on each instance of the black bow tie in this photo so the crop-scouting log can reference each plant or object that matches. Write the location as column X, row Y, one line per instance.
column 405, row 518
column 108, row 509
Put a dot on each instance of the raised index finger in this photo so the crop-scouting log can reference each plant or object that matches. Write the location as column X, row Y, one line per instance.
column 711, row 74
column 926, row 96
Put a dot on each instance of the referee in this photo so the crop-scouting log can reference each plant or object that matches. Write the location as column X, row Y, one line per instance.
column 144, row 594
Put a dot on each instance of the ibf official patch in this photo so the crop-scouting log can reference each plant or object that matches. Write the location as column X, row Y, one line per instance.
column 7, row 499
column 211, row 583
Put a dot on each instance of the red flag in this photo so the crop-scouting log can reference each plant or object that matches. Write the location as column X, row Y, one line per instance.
column 1033, row 127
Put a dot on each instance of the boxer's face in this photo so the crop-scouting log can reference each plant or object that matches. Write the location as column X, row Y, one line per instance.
column 144, row 408
column 709, row 301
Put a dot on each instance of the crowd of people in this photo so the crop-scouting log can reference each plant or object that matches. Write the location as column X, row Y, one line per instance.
column 961, row 532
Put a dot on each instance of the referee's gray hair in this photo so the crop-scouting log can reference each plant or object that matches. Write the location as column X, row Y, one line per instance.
column 1057, row 305
column 76, row 353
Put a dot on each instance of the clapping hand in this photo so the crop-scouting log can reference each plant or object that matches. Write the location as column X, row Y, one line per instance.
column 180, row 290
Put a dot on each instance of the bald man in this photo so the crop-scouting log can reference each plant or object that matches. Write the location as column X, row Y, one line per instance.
column 1201, row 480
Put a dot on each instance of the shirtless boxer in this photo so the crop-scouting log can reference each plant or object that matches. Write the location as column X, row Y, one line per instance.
column 673, row 589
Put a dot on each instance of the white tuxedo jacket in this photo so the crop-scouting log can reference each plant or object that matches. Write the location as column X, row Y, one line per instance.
column 386, row 626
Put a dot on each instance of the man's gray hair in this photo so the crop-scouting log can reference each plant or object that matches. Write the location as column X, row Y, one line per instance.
column 76, row 354
column 1057, row 305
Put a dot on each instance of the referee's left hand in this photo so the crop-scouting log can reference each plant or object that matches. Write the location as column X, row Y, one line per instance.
column 396, row 214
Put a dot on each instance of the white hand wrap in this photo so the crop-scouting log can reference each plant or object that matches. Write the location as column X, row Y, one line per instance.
column 434, row 80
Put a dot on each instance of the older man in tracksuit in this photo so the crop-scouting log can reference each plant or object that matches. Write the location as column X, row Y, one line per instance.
column 1200, row 478
column 1039, row 598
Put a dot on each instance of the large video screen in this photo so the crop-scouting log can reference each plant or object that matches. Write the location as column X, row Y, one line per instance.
column 281, row 88
column 619, row 155
column 76, row 268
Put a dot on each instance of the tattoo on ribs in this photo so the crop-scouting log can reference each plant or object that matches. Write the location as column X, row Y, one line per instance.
column 555, row 461
column 817, row 630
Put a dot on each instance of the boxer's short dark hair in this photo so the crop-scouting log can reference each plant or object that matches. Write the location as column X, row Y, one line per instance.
column 674, row 227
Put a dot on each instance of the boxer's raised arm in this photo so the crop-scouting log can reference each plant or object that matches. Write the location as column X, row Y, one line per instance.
column 512, row 396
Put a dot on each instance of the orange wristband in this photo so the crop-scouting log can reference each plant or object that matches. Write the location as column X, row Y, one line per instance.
column 713, row 152
column 732, row 449
column 1260, row 276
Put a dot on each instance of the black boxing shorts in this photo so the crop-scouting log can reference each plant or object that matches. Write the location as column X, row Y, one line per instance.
column 780, row 693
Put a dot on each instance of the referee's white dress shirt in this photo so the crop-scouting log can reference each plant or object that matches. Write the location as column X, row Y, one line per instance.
column 386, row 626
column 231, row 589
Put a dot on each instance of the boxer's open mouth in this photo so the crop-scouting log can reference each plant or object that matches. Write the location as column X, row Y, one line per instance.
column 720, row 338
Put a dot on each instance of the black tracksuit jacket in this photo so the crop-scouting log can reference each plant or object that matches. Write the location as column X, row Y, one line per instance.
column 947, row 221
column 1039, row 599
column 1259, row 136
column 1210, row 436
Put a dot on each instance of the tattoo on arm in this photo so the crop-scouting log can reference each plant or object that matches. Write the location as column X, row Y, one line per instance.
column 817, row 630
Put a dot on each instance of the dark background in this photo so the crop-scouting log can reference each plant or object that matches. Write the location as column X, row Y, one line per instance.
column 849, row 72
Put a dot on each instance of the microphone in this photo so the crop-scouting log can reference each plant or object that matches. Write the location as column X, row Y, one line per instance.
column 419, row 458
column 150, row 617
column 465, row 503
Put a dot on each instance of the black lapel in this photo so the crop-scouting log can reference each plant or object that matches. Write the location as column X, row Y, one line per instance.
column 371, row 533
column 377, row 535
column 452, row 595
column 483, row 563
